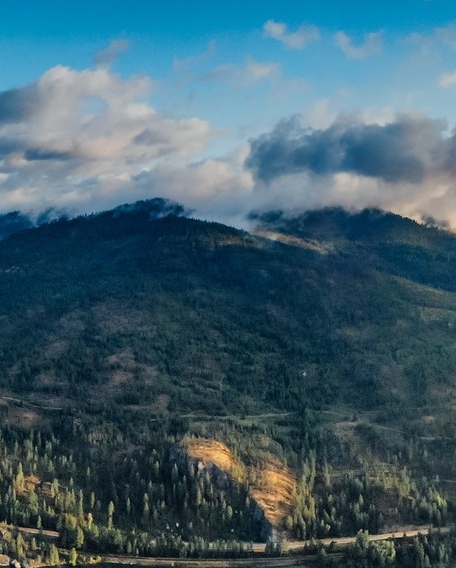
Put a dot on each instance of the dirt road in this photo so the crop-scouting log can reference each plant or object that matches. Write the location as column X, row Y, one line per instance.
column 51, row 535
column 344, row 541
column 259, row 548
column 294, row 546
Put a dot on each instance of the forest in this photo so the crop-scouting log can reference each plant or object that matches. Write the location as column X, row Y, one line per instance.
column 177, row 388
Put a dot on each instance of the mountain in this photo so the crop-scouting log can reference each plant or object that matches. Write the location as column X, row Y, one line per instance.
column 13, row 222
column 388, row 242
column 347, row 299
column 158, row 371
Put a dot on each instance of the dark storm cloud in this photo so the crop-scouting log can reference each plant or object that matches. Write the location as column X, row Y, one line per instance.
column 17, row 105
column 406, row 150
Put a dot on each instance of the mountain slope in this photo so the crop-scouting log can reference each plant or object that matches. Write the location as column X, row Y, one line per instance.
column 319, row 352
column 201, row 313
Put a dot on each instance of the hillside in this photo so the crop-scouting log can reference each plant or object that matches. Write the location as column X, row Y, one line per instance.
column 145, row 308
column 312, row 360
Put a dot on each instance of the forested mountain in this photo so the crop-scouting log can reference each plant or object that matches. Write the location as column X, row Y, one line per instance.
column 167, row 383
column 13, row 222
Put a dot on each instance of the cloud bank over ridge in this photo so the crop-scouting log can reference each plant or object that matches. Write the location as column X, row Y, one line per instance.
column 407, row 165
column 85, row 140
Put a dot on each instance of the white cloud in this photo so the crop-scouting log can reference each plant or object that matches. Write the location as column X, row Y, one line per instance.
column 448, row 79
column 299, row 39
column 372, row 44
column 321, row 115
column 247, row 73
column 435, row 39
column 214, row 188
column 256, row 71
column 73, row 138
column 85, row 140
column 107, row 56
column 187, row 64
column 447, row 35
column 301, row 192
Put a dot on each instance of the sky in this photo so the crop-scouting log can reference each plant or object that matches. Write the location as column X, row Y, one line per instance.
column 229, row 107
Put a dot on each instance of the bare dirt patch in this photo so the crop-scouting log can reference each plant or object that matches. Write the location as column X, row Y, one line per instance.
column 345, row 431
column 213, row 452
column 273, row 491
column 272, row 482
column 23, row 417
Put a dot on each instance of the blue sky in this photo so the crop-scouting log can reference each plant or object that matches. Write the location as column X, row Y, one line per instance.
column 230, row 106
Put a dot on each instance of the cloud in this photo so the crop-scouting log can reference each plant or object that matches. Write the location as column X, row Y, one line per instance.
column 248, row 73
column 372, row 45
column 214, row 188
column 447, row 35
column 85, row 140
column 17, row 104
column 299, row 39
column 406, row 165
column 33, row 154
column 406, row 150
column 77, row 138
column 187, row 64
column 435, row 39
column 106, row 57
column 448, row 79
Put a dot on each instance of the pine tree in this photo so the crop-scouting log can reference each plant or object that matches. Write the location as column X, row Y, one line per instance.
column 73, row 557
column 54, row 558
column 110, row 514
